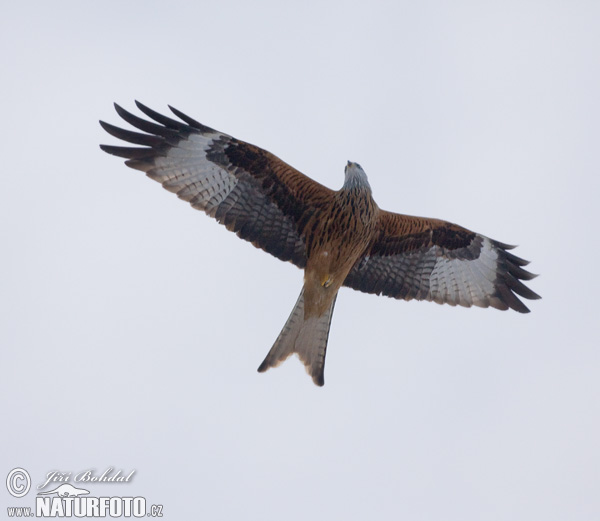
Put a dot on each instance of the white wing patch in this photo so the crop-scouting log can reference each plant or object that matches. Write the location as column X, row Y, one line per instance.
column 465, row 282
column 187, row 172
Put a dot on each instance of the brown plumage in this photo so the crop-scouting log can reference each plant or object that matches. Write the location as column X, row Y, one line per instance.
column 340, row 238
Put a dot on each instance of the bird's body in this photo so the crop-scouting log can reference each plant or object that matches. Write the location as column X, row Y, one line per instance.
column 340, row 235
column 340, row 238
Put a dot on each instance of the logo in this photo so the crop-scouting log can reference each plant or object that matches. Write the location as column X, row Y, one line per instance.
column 66, row 490
column 18, row 482
column 67, row 500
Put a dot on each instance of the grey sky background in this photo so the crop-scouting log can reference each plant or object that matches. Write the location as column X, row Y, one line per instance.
column 131, row 326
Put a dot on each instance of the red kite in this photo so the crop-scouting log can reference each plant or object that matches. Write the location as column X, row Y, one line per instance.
column 340, row 238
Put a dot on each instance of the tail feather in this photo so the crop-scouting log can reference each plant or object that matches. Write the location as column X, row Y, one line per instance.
column 307, row 338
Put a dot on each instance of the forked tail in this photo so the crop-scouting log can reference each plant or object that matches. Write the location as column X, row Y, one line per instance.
column 306, row 338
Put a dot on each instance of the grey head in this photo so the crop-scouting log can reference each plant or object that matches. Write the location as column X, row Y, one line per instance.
column 355, row 177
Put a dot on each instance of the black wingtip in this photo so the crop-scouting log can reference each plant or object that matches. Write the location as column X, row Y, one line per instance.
column 510, row 286
column 104, row 124
column 121, row 111
column 133, row 137
column 190, row 121
column 164, row 120
column 503, row 245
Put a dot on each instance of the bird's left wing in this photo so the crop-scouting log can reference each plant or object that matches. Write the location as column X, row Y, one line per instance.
column 430, row 259
column 249, row 190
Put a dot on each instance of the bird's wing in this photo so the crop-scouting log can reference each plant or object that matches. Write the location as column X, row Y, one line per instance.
column 249, row 190
column 430, row 259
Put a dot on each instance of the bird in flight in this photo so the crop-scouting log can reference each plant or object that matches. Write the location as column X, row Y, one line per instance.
column 339, row 238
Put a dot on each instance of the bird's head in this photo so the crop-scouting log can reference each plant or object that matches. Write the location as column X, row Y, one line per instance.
column 355, row 177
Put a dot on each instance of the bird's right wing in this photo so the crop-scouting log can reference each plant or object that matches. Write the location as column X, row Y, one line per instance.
column 430, row 259
column 252, row 192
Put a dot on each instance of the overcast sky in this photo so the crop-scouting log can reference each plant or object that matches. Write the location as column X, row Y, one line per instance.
column 131, row 326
